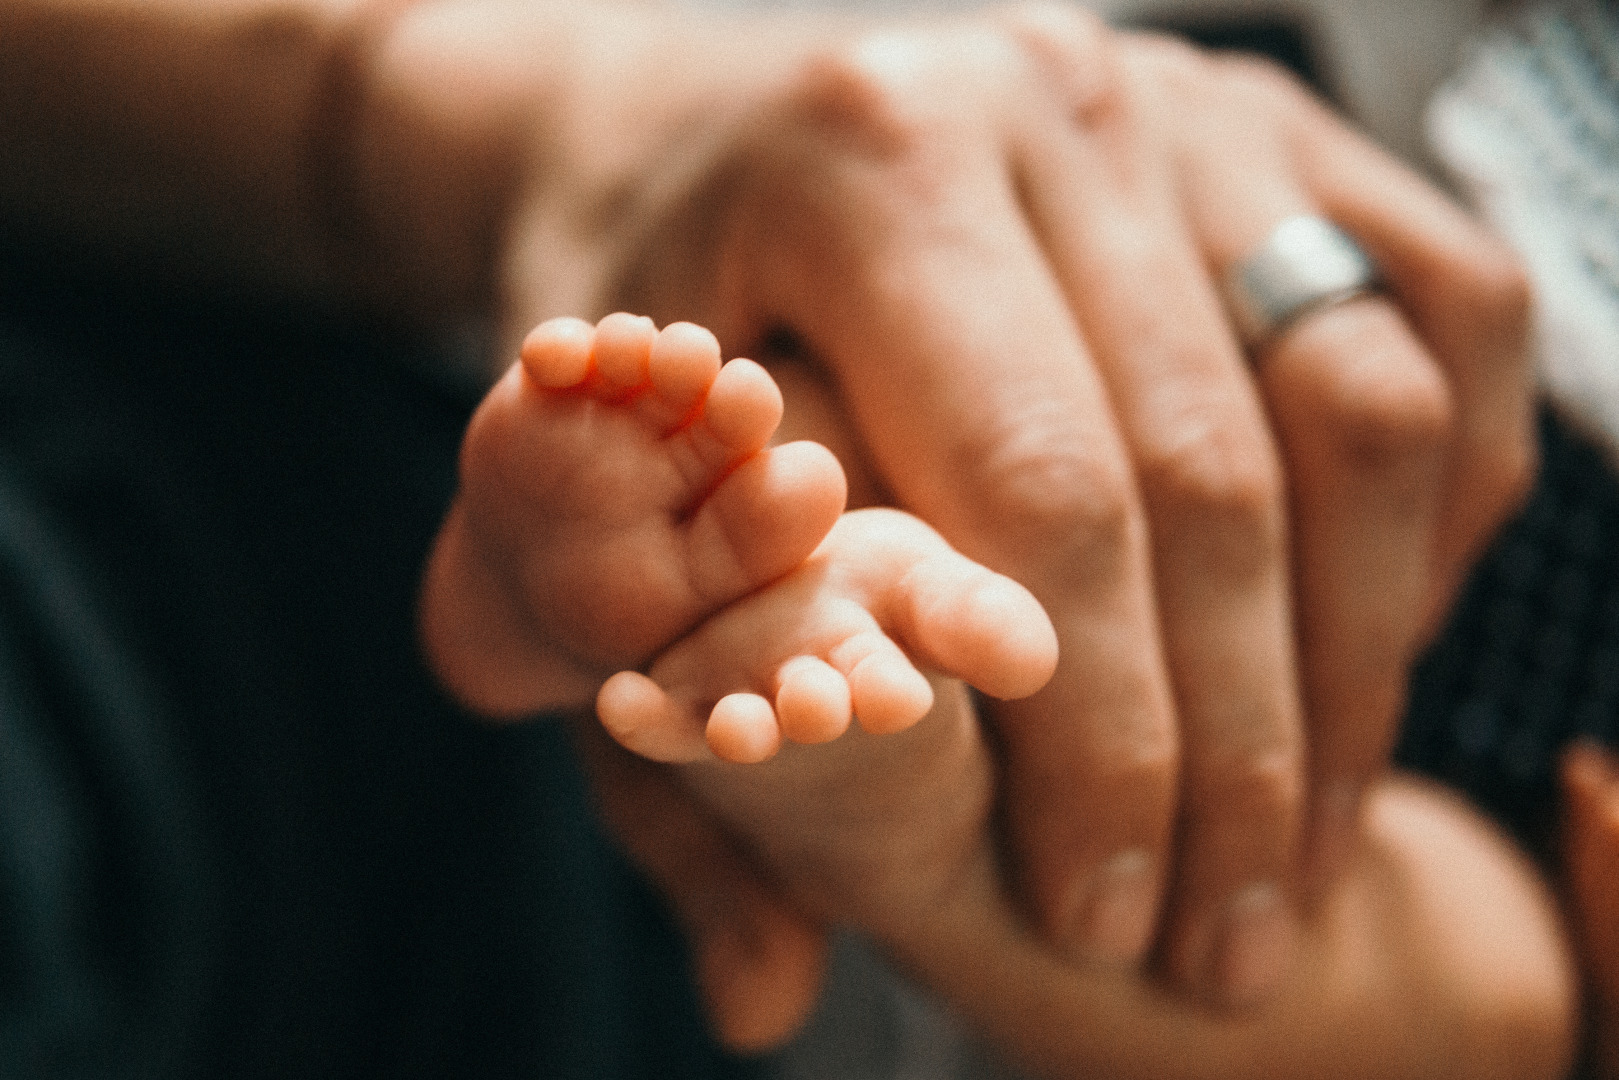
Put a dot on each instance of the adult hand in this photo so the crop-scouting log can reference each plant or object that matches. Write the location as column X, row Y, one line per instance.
column 1000, row 237
column 1590, row 845
column 1439, row 953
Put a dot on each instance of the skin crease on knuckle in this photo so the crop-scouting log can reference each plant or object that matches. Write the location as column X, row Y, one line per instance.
column 1247, row 784
column 852, row 95
column 1373, row 393
column 898, row 93
column 1218, row 491
column 861, row 155
column 1062, row 508
column 1074, row 52
column 896, row 96
column 860, row 129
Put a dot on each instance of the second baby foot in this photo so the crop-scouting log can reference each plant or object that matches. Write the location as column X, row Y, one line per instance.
column 839, row 638
column 616, row 488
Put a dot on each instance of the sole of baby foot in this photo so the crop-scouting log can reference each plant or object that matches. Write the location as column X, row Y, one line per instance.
column 840, row 637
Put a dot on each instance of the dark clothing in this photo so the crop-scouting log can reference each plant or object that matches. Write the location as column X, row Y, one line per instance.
column 1530, row 657
column 241, row 833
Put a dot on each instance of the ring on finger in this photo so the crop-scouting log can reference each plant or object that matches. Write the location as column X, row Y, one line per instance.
column 1305, row 264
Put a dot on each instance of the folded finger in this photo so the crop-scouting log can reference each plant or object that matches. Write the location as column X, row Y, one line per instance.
column 1362, row 413
column 1467, row 299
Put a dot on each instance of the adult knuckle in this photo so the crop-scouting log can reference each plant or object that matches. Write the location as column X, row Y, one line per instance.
column 1152, row 762
column 1220, row 483
column 1391, row 409
column 1163, row 69
column 1053, row 495
column 1059, row 500
column 1264, row 783
column 1139, row 769
column 1074, row 49
column 857, row 93
column 1059, row 29
column 1501, row 285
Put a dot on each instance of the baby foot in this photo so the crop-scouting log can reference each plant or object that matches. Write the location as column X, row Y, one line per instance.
column 839, row 637
column 616, row 488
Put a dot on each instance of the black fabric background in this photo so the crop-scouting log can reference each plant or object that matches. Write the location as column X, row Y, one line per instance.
column 1530, row 657
column 241, row 834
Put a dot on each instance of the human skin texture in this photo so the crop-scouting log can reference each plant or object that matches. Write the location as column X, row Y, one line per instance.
column 954, row 222
column 619, row 510
column 996, row 236
column 1591, row 857
column 1439, row 953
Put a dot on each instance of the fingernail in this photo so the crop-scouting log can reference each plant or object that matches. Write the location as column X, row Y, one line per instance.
column 1253, row 947
column 1333, row 834
column 1115, row 913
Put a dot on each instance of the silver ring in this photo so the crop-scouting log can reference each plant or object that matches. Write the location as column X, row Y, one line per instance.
column 1306, row 263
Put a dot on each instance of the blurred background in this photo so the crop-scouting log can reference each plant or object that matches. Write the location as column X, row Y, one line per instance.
column 1378, row 59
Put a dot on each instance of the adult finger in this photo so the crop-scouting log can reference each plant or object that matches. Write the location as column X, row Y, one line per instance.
column 888, row 234
column 758, row 961
column 1467, row 297
column 1590, row 785
column 1106, row 207
column 1363, row 415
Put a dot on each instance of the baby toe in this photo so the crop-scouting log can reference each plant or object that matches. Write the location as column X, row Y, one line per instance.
column 977, row 625
column 741, row 412
column 742, row 728
column 623, row 351
column 889, row 694
column 556, row 353
column 1003, row 639
column 684, row 361
column 813, row 703
column 643, row 719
